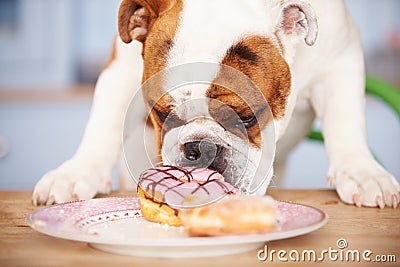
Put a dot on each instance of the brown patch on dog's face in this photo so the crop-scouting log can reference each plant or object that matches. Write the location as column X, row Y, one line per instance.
column 159, row 41
column 154, row 23
column 269, row 79
column 156, row 48
column 260, row 60
column 158, row 114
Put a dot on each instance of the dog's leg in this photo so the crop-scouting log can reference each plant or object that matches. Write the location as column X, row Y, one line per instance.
column 88, row 172
column 140, row 151
column 339, row 100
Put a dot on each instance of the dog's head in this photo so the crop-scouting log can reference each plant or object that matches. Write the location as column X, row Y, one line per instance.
column 222, row 118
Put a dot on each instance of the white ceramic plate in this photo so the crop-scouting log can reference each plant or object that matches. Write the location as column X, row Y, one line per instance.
column 116, row 225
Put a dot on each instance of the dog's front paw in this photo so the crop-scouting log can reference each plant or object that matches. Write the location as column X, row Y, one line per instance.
column 72, row 181
column 364, row 183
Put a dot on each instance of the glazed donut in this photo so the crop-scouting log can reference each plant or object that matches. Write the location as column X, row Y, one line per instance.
column 232, row 216
column 163, row 191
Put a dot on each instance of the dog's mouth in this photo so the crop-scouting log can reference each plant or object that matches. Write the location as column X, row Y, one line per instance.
column 219, row 165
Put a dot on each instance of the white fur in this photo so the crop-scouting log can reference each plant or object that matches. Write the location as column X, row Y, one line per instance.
column 199, row 39
column 327, row 77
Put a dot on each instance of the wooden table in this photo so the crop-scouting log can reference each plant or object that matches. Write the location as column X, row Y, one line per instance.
column 363, row 228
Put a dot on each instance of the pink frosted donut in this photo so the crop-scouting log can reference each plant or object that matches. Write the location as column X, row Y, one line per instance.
column 164, row 190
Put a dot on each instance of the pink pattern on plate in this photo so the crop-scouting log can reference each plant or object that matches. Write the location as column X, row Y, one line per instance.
column 293, row 216
column 82, row 213
column 116, row 225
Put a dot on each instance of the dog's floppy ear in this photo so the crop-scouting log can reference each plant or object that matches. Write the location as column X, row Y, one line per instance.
column 135, row 17
column 298, row 19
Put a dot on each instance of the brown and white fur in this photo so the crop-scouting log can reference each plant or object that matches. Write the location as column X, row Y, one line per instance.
column 304, row 56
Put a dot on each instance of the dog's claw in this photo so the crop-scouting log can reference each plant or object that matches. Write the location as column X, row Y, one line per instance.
column 380, row 202
column 356, row 200
column 75, row 197
column 35, row 199
column 51, row 201
column 330, row 181
column 394, row 201
column 107, row 187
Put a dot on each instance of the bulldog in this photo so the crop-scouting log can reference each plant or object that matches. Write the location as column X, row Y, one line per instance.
column 223, row 82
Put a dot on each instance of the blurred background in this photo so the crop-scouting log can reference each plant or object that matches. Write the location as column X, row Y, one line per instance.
column 51, row 52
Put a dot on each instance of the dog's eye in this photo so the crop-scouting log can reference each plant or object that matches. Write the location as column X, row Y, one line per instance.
column 248, row 121
column 161, row 116
column 171, row 120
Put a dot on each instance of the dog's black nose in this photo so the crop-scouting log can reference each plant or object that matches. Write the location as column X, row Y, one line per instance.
column 202, row 151
column 192, row 151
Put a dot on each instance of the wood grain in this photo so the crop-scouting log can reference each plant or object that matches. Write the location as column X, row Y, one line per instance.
column 363, row 228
